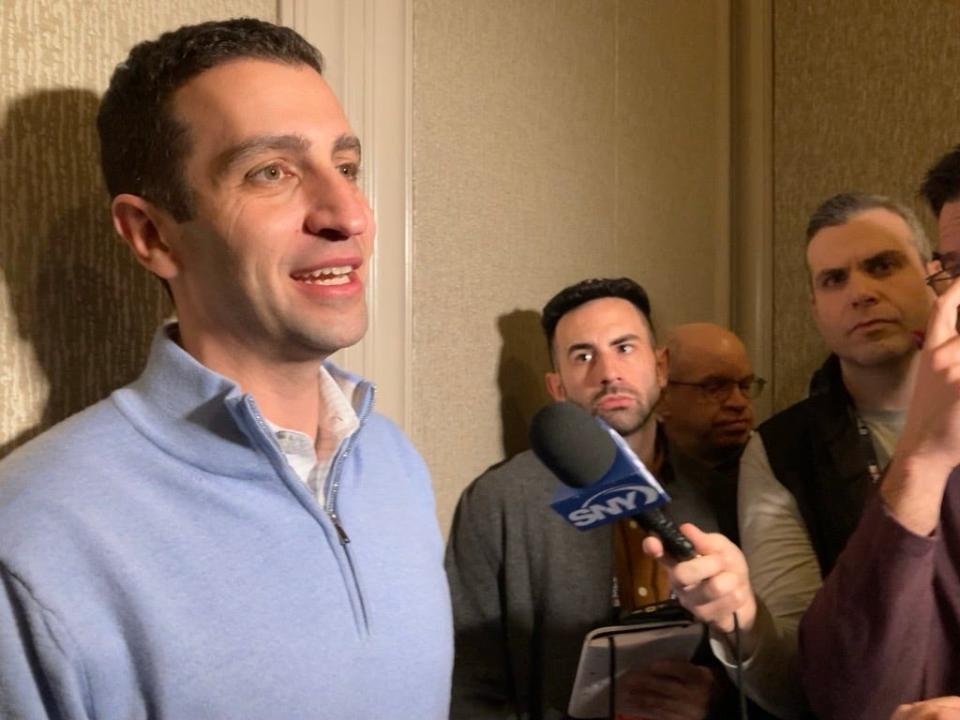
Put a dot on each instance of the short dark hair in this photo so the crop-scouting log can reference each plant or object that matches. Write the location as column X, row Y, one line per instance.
column 942, row 181
column 842, row 207
column 583, row 292
column 142, row 145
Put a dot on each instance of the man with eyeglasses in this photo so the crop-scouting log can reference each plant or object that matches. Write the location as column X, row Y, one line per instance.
column 707, row 405
column 807, row 473
column 941, row 190
column 884, row 631
column 527, row 586
column 706, row 411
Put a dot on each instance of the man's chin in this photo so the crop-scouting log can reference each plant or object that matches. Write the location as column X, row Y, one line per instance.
column 881, row 352
column 731, row 442
column 732, row 433
column 625, row 422
column 326, row 339
column 309, row 348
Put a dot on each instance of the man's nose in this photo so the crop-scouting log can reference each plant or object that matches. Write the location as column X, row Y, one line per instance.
column 338, row 209
column 737, row 399
column 862, row 289
column 607, row 368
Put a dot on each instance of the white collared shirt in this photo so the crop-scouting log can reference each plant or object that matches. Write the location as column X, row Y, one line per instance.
column 310, row 458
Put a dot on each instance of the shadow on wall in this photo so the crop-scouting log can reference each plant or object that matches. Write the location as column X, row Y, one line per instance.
column 79, row 299
column 523, row 362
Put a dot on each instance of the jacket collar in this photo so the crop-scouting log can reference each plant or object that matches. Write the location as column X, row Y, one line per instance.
column 828, row 380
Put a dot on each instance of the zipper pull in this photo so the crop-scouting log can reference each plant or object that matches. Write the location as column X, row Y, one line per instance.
column 341, row 533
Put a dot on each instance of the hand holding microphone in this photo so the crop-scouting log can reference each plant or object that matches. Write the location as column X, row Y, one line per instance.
column 607, row 481
column 713, row 585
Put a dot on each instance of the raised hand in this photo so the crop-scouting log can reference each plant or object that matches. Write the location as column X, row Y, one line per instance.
column 929, row 447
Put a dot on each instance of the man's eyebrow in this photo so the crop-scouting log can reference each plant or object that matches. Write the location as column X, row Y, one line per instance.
column 252, row 147
column 624, row 338
column 579, row 346
column 829, row 272
column 720, row 377
column 887, row 255
column 346, row 142
column 715, row 377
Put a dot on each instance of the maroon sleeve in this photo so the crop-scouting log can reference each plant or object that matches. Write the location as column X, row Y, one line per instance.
column 864, row 639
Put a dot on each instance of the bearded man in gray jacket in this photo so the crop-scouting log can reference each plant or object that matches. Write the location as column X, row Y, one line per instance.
column 526, row 586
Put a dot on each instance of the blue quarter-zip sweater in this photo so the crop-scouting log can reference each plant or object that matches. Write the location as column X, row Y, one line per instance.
column 160, row 559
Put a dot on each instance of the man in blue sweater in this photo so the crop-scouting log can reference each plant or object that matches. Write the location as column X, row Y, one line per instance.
column 207, row 542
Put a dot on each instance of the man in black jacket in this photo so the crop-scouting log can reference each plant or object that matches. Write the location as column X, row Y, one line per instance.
column 806, row 474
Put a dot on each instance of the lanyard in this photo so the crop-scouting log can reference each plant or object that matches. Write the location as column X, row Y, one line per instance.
column 869, row 451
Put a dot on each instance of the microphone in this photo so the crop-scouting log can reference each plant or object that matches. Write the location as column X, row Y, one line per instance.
column 603, row 478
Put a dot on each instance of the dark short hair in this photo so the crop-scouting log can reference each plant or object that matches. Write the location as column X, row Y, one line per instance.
column 841, row 208
column 942, row 181
column 583, row 292
column 142, row 145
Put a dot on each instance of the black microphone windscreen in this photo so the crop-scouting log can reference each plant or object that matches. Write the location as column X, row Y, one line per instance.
column 569, row 441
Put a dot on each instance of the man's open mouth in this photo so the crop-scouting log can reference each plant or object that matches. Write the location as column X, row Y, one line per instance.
column 339, row 275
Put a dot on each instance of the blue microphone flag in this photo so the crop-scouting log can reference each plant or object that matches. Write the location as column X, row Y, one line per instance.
column 625, row 488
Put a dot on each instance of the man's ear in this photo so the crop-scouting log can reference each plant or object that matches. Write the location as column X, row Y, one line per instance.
column 555, row 386
column 811, row 292
column 663, row 365
column 814, row 309
column 144, row 228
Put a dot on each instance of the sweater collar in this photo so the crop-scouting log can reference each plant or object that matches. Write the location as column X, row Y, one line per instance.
column 204, row 418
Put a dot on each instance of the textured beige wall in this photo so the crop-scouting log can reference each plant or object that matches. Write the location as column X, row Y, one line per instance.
column 553, row 140
column 76, row 314
column 865, row 96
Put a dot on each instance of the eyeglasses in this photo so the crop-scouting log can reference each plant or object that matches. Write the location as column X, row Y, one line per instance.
column 949, row 269
column 719, row 389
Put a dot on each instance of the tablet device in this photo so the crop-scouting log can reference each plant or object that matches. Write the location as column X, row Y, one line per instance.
column 636, row 646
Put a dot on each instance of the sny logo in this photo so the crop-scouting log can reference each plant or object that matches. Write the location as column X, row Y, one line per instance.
column 612, row 502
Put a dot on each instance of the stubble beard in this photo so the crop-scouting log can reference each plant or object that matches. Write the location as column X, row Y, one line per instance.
column 627, row 422
column 313, row 340
column 895, row 352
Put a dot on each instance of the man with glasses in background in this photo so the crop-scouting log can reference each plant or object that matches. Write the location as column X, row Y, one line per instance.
column 807, row 473
column 941, row 190
column 885, row 628
column 706, row 411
